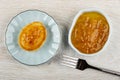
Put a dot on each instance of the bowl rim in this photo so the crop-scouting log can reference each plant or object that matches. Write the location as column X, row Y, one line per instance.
column 74, row 21
column 59, row 45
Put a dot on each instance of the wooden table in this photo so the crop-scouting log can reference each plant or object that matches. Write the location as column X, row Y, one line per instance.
column 63, row 12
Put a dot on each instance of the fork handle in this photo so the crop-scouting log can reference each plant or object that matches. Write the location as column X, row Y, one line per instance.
column 105, row 70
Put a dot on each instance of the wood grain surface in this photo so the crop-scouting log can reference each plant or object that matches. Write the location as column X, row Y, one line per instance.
column 63, row 12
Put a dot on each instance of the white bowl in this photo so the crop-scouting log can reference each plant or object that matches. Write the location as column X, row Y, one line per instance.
column 72, row 26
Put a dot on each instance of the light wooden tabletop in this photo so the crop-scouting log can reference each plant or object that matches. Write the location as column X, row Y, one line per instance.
column 63, row 12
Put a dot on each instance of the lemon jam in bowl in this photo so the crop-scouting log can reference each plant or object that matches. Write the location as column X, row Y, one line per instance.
column 89, row 32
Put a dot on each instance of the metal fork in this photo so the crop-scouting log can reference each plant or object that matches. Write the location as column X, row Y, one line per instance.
column 82, row 64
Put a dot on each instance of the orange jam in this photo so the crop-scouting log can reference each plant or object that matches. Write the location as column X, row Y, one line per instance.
column 32, row 36
column 90, row 32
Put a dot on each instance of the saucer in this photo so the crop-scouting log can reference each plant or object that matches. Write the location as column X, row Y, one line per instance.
column 49, row 48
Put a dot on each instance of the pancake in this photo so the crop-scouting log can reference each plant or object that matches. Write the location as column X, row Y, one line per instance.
column 32, row 36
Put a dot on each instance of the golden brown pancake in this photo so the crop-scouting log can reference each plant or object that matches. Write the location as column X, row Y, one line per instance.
column 32, row 36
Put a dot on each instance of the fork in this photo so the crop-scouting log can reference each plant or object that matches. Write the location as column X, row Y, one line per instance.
column 82, row 64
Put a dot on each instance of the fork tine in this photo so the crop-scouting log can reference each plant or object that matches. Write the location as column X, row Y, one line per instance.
column 68, row 62
column 68, row 65
column 70, row 57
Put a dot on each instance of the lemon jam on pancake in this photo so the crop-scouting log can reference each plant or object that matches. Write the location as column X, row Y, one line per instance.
column 32, row 36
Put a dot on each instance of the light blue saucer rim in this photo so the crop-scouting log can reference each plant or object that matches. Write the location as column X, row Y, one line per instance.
column 59, row 46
